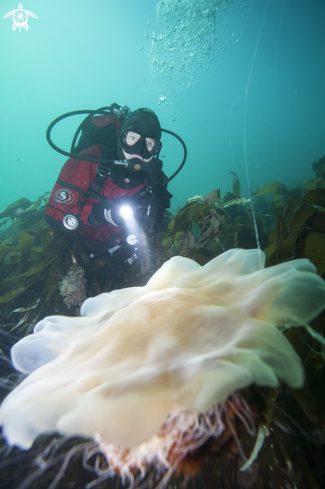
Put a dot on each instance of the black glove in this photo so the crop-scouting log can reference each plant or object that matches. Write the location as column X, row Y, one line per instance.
column 116, row 212
column 145, row 208
column 96, row 216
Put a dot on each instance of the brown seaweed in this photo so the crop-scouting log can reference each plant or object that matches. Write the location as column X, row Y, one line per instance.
column 291, row 224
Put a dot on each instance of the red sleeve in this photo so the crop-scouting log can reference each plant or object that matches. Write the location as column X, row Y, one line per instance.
column 69, row 192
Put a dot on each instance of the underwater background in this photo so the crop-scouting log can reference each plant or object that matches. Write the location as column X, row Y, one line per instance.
column 241, row 82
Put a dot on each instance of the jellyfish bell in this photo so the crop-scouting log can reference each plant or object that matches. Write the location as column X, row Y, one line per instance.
column 144, row 364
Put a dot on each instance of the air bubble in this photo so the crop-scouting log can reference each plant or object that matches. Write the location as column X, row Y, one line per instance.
column 187, row 41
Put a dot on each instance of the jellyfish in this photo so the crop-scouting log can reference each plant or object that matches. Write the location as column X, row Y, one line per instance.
column 150, row 373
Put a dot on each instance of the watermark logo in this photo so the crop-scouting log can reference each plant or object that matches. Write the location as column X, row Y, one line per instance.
column 20, row 18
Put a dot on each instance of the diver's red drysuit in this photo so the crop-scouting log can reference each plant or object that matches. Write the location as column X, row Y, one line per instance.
column 69, row 196
column 80, row 181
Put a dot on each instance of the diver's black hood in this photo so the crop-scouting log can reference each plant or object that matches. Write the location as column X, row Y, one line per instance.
column 143, row 121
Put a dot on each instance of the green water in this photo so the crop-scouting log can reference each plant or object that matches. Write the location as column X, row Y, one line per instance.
column 241, row 83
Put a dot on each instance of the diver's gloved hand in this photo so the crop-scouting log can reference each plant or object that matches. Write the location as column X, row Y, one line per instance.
column 117, row 212
column 151, row 205
column 97, row 216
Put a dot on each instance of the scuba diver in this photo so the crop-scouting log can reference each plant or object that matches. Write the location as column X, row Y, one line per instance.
column 111, row 194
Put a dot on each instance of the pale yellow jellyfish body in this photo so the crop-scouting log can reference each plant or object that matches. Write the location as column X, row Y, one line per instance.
column 186, row 341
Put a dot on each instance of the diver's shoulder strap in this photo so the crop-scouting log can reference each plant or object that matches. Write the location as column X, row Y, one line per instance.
column 99, row 181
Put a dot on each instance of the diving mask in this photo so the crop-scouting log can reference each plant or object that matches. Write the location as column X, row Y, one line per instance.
column 137, row 144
